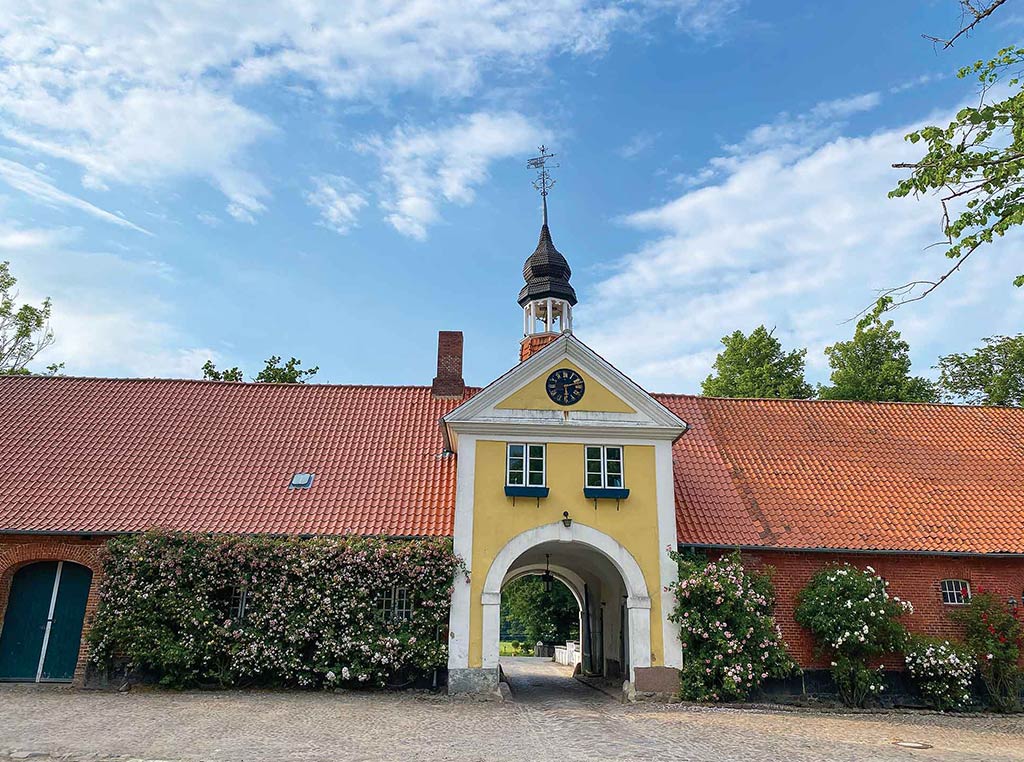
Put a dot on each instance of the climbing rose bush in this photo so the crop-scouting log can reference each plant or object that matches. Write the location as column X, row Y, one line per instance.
column 942, row 671
column 995, row 636
column 731, row 643
column 853, row 619
column 314, row 615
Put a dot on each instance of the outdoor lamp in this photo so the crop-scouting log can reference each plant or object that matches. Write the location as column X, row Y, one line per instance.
column 566, row 521
column 547, row 579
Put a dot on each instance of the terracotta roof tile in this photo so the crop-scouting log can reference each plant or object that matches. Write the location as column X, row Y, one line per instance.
column 106, row 455
column 870, row 476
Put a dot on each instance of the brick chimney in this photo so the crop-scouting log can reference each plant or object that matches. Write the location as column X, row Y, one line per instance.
column 448, row 381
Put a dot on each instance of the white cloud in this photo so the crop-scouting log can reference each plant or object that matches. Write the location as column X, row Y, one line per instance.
column 107, row 317
column 146, row 91
column 337, row 201
column 34, row 184
column 24, row 239
column 637, row 144
column 797, row 236
column 422, row 167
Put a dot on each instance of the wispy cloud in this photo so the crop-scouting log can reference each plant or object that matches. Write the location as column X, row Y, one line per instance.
column 798, row 235
column 638, row 144
column 34, row 184
column 337, row 201
column 145, row 92
column 421, row 170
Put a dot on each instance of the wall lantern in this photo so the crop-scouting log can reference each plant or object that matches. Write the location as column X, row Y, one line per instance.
column 547, row 579
column 566, row 521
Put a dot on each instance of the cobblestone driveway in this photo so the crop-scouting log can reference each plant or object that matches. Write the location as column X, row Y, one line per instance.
column 552, row 717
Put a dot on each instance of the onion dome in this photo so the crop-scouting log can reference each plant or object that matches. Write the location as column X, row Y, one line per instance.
column 546, row 273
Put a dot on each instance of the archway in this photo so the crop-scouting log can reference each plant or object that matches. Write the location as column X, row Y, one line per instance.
column 604, row 578
column 42, row 628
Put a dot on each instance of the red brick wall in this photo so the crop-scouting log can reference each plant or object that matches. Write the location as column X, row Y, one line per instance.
column 914, row 578
column 18, row 550
column 533, row 344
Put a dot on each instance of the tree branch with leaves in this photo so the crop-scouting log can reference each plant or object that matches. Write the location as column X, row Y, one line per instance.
column 975, row 165
column 24, row 329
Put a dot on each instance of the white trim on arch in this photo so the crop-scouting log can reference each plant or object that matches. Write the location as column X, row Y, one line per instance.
column 638, row 601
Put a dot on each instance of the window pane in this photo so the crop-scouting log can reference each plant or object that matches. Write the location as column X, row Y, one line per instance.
column 594, row 480
column 613, row 453
column 614, row 467
column 515, row 451
column 515, row 478
column 515, row 464
column 594, row 453
column 536, row 451
column 594, row 467
column 614, row 480
column 536, row 465
column 536, row 479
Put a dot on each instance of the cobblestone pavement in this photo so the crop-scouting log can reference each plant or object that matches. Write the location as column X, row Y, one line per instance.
column 551, row 718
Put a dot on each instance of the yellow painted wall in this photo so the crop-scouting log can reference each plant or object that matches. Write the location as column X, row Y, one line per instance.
column 495, row 521
column 596, row 398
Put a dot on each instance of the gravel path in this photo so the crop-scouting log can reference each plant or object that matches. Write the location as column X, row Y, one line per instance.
column 550, row 718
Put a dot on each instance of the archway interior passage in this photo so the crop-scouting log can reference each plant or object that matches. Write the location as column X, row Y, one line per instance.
column 42, row 627
column 600, row 593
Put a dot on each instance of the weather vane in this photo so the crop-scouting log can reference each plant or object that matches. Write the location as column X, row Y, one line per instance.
column 543, row 183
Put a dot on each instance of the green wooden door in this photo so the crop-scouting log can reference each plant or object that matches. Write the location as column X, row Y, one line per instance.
column 43, row 624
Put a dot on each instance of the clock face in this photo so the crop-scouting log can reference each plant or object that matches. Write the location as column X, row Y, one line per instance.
column 565, row 386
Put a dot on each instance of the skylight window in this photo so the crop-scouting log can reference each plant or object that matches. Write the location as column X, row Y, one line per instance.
column 301, row 481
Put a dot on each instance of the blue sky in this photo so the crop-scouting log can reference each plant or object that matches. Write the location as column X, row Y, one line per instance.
column 339, row 181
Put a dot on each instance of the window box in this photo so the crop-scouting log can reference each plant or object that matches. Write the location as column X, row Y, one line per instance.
column 516, row 491
column 605, row 493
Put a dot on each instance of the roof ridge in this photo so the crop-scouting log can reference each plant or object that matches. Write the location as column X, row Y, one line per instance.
column 216, row 382
column 683, row 395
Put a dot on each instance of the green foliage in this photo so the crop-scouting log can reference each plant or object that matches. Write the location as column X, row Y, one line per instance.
column 990, row 375
column 756, row 366
column 273, row 372
column 994, row 635
column 874, row 366
column 943, row 671
column 853, row 619
column 540, row 616
column 317, row 611
column 24, row 330
column 731, row 643
column 976, row 162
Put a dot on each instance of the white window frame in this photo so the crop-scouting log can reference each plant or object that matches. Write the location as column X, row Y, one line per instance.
column 604, row 466
column 526, row 463
column 239, row 602
column 395, row 604
column 952, row 589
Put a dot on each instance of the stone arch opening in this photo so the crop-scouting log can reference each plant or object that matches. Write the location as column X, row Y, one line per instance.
column 604, row 578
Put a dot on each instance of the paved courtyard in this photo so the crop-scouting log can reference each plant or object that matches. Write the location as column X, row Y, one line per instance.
column 551, row 717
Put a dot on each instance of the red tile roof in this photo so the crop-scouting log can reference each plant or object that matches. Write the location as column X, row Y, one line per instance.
column 105, row 455
column 108, row 455
column 871, row 476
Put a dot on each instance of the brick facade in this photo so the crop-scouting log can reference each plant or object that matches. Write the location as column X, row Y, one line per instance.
column 18, row 550
column 533, row 344
column 915, row 578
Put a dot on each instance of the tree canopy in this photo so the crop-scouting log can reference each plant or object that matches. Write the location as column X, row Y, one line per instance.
column 975, row 164
column 757, row 366
column 989, row 375
column 874, row 366
column 24, row 329
column 540, row 616
column 274, row 372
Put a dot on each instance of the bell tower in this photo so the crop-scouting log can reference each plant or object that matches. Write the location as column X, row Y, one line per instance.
column 547, row 298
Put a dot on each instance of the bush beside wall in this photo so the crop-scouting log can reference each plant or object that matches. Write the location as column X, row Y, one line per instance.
column 317, row 612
